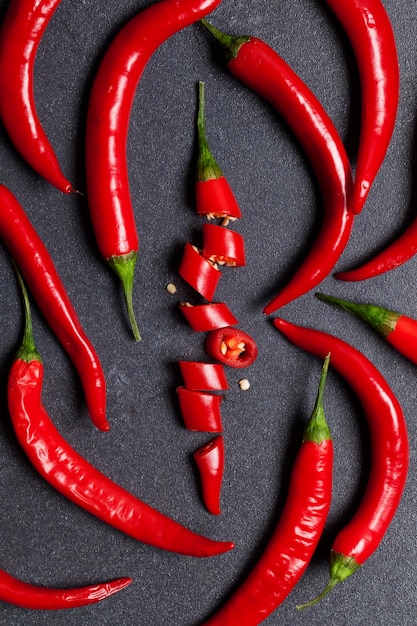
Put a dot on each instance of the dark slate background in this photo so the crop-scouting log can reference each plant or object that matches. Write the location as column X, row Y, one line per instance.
column 48, row 540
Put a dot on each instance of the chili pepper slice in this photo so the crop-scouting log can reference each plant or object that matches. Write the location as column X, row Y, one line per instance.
column 370, row 31
column 214, row 196
column 27, row 596
column 107, row 126
column 399, row 330
column 297, row 533
column 223, row 245
column 206, row 317
column 202, row 274
column 22, row 29
column 209, row 459
column 74, row 477
column 231, row 346
column 389, row 441
column 200, row 411
column 200, row 376
column 33, row 259
column 259, row 67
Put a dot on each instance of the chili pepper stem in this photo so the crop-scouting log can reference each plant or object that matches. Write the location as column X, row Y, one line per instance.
column 27, row 351
column 207, row 166
column 229, row 43
column 124, row 266
column 317, row 429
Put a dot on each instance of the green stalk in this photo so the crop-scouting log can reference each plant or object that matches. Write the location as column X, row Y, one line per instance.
column 124, row 267
column 317, row 429
column 27, row 351
column 207, row 166
column 229, row 44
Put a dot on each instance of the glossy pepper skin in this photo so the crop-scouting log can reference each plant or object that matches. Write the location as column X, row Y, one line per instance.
column 370, row 32
column 259, row 67
column 206, row 317
column 21, row 32
column 199, row 272
column 200, row 376
column 75, row 478
column 39, row 271
column 389, row 441
column 231, row 346
column 107, row 126
column 209, row 459
column 200, row 410
column 294, row 539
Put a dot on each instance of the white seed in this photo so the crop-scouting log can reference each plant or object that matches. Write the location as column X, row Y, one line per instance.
column 171, row 288
column 244, row 384
column 223, row 348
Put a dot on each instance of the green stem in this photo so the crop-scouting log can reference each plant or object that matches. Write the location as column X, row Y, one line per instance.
column 27, row 351
column 124, row 267
column 229, row 44
column 207, row 166
column 382, row 320
column 317, row 429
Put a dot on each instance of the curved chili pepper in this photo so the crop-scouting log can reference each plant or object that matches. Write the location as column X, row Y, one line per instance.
column 200, row 411
column 74, row 477
column 214, row 196
column 206, row 317
column 231, row 346
column 107, row 128
column 369, row 29
column 200, row 376
column 202, row 274
column 209, row 459
column 389, row 440
column 297, row 533
column 27, row 596
column 263, row 70
column 223, row 245
column 21, row 32
column 399, row 330
column 38, row 269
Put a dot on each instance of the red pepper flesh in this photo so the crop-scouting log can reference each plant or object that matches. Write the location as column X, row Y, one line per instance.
column 199, row 272
column 206, row 317
column 231, row 346
column 200, row 376
column 200, row 411
column 209, row 459
column 223, row 245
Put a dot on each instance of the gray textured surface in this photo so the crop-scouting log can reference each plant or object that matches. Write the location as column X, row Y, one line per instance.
column 48, row 540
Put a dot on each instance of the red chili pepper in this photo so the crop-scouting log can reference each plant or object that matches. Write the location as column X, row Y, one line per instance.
column 223, row 245
column 263, row 70
column 214, row 196
column 203, row 376
column 200, row 411
column 202, row 274
column 369, row 29
column 27, row 596
column 231, row 346
column 36, row 265
column 107, row 128
column 209, row 459
column 399, row 330
column 22, row 29
column 297, row 533
column 206, row 317
column 389, row 440
column 74, row 477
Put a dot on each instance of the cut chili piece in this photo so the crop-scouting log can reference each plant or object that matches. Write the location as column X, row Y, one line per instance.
column 209, row 459
column 231, row 346
column 223, row 245
column 200, row 411
column 206, row 317
column 200, row 376
column 199, row 272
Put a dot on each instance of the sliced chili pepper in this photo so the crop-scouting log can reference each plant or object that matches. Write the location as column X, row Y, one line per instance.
column 206, row 317
column 38, row 269
column 297, row 533
column 202, row 274
column 370, row 31
column 209, row 459
column 214, row 196
column 22, row 29
column 223, row 245
column 399, row 330
column 259, row 67
column 389, row 441
column 200, row 376
column 108, row 114
column 231, row 346
column 27, row 596
column 74, row 477
column 200, row 411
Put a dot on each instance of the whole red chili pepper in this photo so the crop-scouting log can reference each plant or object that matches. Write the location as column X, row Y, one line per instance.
column 206, row 317
column 369, row 29
column 39, row 271
column 263, row 70
column 22, row 29
column 200, row 376
column 27, row 596
column 209, row 459
column 399, row 330
column 231, row 346
column 74, row 477
column 297, row 533
column 389, row 440
column 107, row 128
column 203, row 275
